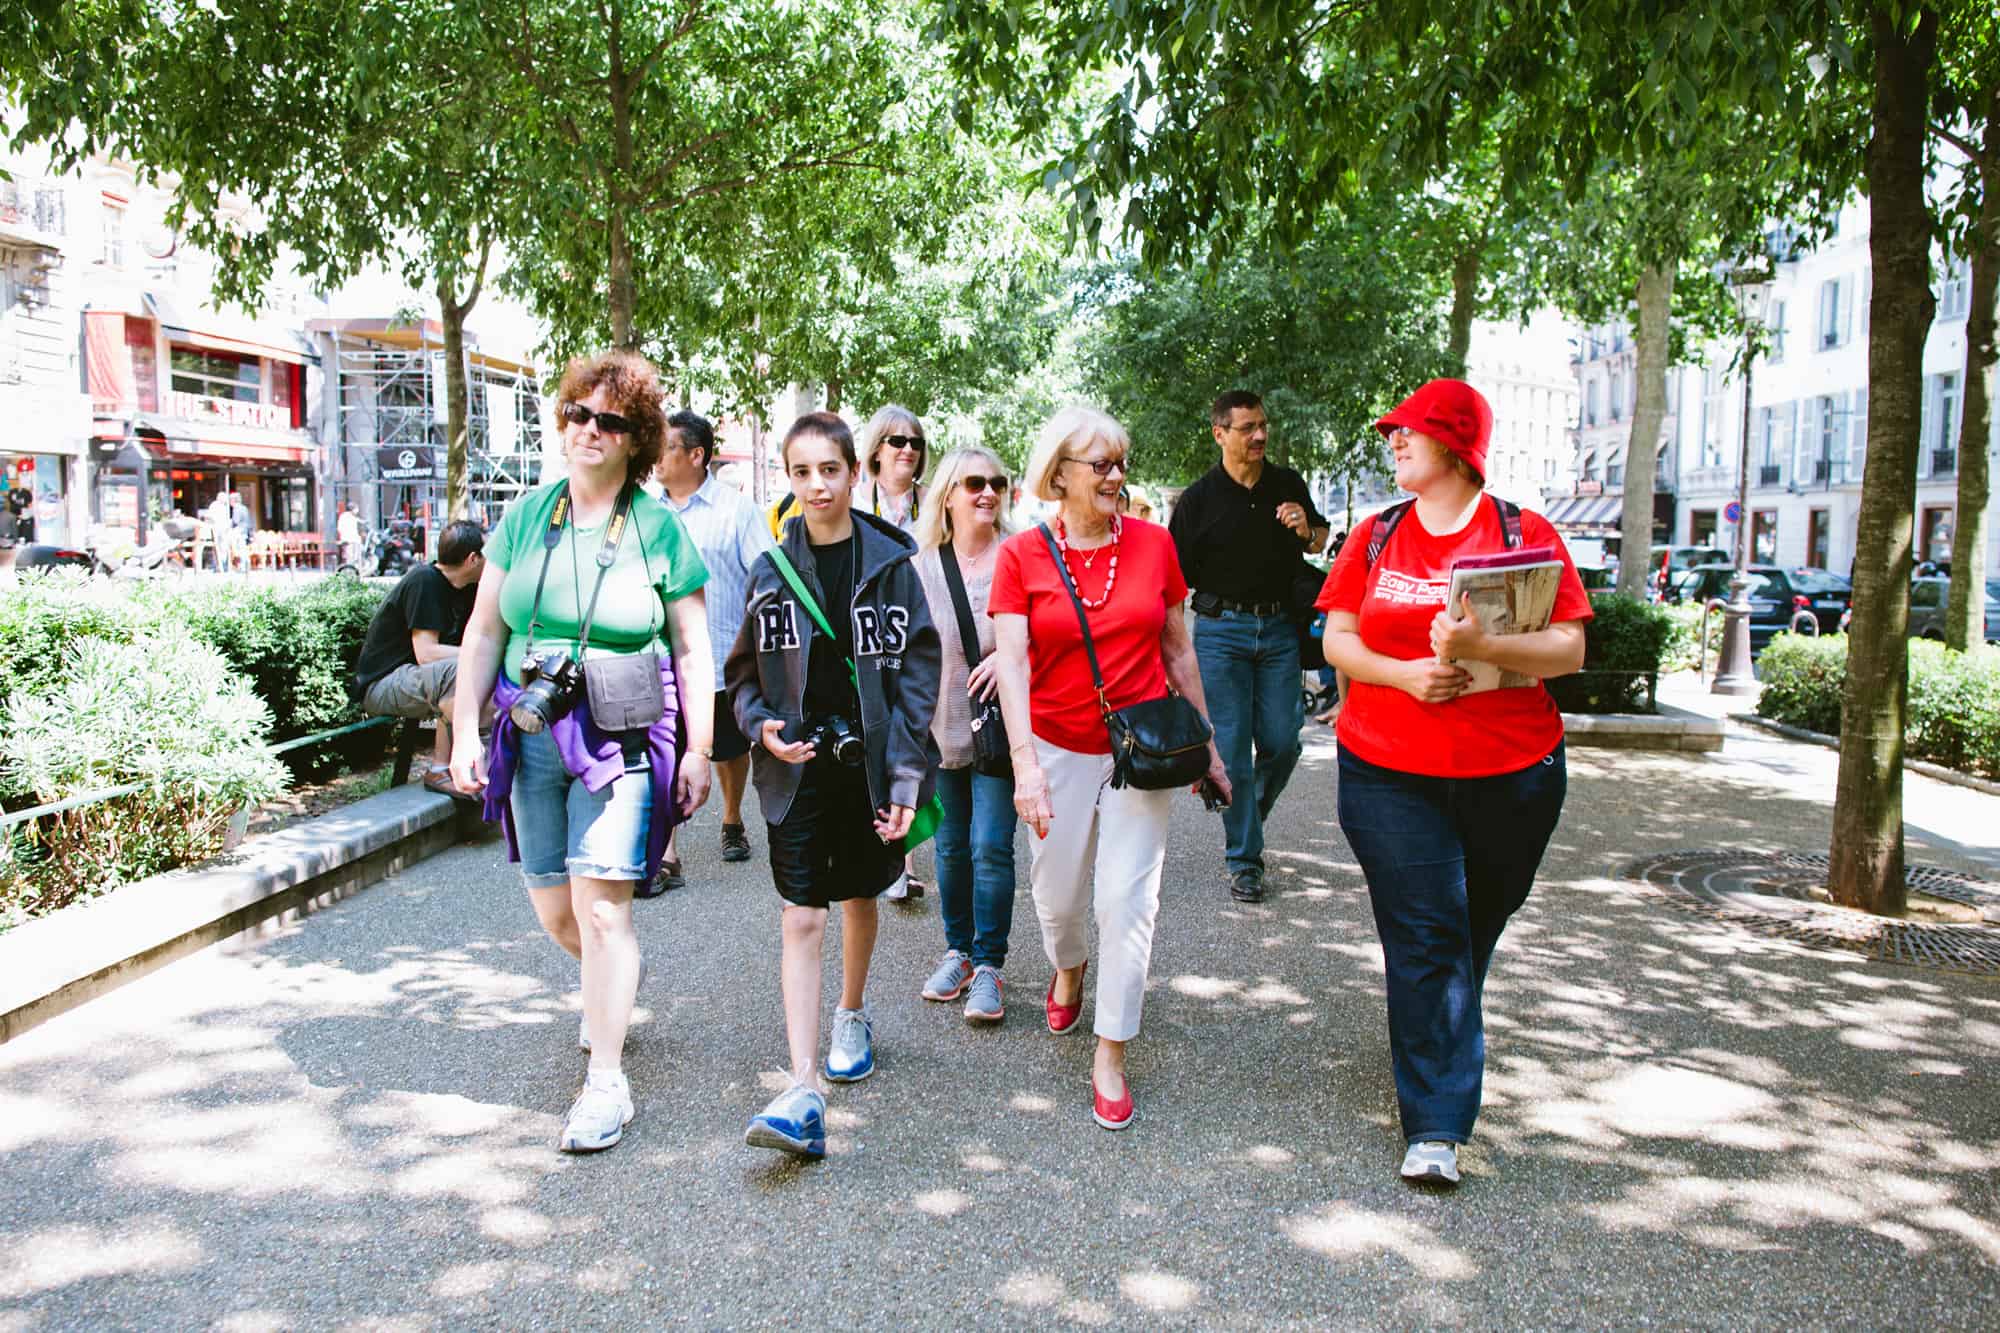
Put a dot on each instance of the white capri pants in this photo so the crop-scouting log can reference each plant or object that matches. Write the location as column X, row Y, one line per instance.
column 1123, row 866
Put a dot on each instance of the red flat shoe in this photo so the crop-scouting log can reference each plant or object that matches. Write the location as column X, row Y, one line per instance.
column 1063, row 1017
column 1110, row 1114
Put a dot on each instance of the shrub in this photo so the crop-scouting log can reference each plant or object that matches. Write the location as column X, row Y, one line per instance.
column 1623, row 644
column 1683, row 625
column 1954, row 710
column 164, row 710
column 43, row 619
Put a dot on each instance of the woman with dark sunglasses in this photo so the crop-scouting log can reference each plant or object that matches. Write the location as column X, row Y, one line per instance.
column 965, row 523
column 581, row 574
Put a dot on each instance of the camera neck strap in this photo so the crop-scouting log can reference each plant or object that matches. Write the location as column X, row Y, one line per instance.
column 607, row 555
column 811, row 604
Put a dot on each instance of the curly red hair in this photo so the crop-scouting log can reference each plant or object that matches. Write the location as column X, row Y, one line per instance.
column 634, row 387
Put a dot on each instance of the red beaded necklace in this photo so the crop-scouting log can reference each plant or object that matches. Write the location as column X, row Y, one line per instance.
column 1089, row 558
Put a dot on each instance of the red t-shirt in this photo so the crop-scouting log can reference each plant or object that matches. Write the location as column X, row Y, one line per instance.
column 1126, row 631
column 1475, row 735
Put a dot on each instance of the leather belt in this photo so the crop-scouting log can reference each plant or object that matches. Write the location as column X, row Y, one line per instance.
column 1208, row 604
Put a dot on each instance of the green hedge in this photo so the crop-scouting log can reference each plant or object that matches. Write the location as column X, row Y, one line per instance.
column 1624, row 642
column 1954, row 711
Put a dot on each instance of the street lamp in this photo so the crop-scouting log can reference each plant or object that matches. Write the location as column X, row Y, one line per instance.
column 1750, row 284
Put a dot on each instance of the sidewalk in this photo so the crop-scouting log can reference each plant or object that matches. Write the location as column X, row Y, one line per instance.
column 1685, row 1124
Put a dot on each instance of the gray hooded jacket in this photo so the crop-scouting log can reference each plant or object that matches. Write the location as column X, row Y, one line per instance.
column 896, row 653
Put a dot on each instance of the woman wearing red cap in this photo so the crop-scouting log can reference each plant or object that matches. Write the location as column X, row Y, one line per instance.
column 1448, row 798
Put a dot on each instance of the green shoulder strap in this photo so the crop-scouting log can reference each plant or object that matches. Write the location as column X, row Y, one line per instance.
column 924, row 822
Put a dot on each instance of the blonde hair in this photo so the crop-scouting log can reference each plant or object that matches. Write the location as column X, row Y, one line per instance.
column 891, row 415
column 933, row 527
column 1068, row 433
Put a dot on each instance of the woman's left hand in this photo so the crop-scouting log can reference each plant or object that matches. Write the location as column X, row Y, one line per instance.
column 895, row 825
column 1217, row 774
column 691, row 784
column 984, row 680
column 1455, row 637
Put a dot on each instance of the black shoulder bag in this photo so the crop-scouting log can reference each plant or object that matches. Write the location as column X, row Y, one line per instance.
column 1156, row 744
column 624, row 690
column 990, row 754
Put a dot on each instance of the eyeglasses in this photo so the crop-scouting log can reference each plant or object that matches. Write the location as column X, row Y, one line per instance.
column 1249, row 427
column 1101, row 466
column 976, row 484
column 904, row 442
column 576, row 414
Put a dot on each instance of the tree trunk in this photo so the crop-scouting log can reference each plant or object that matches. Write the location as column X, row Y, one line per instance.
column 457, row 370
column 1649, row 411
column 1464, row 305
column 1867, row 850
column 1965, row 616
column 833, row 393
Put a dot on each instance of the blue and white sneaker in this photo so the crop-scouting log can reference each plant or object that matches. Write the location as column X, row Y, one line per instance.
column 1434, row 1162
column 850, row 1056
column 794, row 1122
column 598, row 1117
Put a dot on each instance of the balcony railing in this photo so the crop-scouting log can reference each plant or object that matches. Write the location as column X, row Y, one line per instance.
column 1822, row 470
column 1944, row 462
column 1770, row 474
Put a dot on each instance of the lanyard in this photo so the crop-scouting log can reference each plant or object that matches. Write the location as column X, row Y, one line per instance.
column 607, row 553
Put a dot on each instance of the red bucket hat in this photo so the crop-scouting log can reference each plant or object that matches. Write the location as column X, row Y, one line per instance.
column 1451, row 412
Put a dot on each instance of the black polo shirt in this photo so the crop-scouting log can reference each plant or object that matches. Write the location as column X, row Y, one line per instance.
column 1230, row 541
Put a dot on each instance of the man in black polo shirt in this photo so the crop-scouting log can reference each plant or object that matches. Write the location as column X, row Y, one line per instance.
column 1240, row 530
column 409, row 660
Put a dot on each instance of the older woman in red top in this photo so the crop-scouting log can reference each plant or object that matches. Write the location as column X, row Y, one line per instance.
column 1094, row 841
column 1448, row 797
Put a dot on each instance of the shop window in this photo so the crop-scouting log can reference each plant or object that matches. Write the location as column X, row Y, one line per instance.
column 1764, row 536
column 1936, row 544
column 1818, row 531
column 1701, row 527
column 215, row 375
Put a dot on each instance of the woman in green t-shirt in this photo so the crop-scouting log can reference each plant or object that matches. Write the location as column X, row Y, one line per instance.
column 586, row 569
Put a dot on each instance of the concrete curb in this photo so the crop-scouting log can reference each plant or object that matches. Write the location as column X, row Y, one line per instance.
column 1923, row 766
column 1671, row 729
column 54, row 964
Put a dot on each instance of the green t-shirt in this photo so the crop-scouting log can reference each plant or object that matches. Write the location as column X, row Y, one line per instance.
column 631, row 612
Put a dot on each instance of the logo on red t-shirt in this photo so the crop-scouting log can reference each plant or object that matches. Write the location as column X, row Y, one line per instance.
column 1394, row 586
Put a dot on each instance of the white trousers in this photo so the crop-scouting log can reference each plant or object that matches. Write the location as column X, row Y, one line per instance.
column 1112, row 841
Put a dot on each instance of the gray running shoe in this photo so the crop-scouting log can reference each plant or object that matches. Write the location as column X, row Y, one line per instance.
column 982, row 998
column 598, row 1117
column 1433, row 1162
column 948, row 982
column 850, row 1056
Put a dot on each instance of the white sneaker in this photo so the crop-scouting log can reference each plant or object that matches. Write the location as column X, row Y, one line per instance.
column 1432, row 1161
column 899, row 891
column 598, row 1116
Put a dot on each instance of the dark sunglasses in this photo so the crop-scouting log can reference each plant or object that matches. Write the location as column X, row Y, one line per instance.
column 576, row 414
column 976, row 484
column 904, row 442
column 1101, row 466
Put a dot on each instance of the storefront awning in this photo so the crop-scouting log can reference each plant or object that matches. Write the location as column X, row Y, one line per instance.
column 169, row 439
column 217, row 331
column 1587, row 515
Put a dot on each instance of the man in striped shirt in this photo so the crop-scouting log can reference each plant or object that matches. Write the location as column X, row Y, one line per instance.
column 730, row 534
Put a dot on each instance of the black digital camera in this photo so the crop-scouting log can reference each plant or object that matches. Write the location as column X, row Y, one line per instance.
column 837, row 739
column 550, row 686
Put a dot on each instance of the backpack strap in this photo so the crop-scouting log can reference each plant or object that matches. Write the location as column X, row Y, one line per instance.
column 1510, row 521
column 1385, row 527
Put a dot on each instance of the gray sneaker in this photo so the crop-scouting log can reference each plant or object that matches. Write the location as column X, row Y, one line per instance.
column 1434, row 1162
column 948, row 982
column 850, row 1057
column 598, row 1117
column 982, row 998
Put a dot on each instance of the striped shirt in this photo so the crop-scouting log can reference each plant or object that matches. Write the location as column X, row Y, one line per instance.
column 730, row 534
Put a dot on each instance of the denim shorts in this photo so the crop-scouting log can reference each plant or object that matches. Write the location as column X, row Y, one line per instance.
column 564, row 829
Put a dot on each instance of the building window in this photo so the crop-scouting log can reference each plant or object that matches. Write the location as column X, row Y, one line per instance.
column 1936, row 544
column 1590, row 403
column 1714, row 407
column 1955, row 292
column 1836, row 312
column 1617, row 396
column 1701, row 527
column 214, row 375
column 1548, row 469
column 113, row 222
column 1764, row 536
column 1818, row 530
column 1776, row 327
column 1939, row 454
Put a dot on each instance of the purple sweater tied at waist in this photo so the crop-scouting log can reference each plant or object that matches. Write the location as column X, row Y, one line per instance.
column 593, row 757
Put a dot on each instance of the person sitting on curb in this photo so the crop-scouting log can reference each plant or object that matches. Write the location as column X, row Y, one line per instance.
column 409, row 659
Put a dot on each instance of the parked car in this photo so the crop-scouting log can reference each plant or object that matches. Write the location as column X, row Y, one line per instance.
column 1670, row 562
column 1776, row 595
column 1930, row 596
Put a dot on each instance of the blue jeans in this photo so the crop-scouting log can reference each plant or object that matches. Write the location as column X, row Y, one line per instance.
column 1250, row 676
column 975, row 864
column 1448, row 860
column 566, row 830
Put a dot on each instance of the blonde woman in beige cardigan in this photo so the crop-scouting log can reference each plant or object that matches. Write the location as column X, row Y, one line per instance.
column 964, row 520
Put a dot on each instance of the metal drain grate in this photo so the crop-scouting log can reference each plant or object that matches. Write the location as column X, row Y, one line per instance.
column 1770, row 893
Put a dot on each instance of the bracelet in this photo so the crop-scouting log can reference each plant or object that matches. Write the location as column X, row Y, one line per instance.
column 705, row 751
column 1016, row 749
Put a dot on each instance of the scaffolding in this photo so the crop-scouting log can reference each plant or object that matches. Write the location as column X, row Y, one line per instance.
column 388, row 400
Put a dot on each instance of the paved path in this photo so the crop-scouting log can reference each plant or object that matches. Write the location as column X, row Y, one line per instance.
column 351, row 1125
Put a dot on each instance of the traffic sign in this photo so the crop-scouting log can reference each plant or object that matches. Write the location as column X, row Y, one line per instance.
column 1732, row 512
